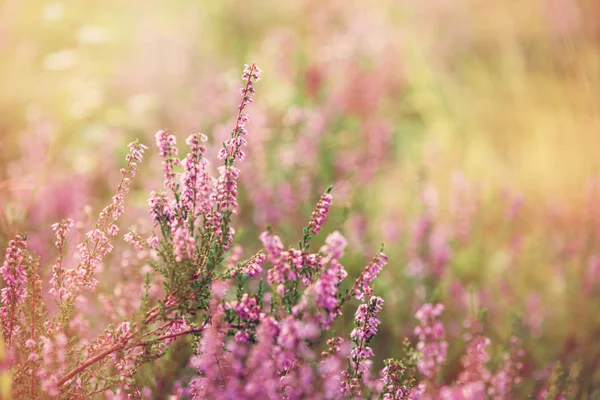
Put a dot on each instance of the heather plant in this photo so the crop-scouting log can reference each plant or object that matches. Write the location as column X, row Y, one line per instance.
column 261, row 336
column 260, row 326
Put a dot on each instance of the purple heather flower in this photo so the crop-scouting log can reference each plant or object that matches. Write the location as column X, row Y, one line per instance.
column 334, row 246
column 226, row 190
column 273, row 246
column 474, row 362
column 325, row 291
column 168, row 151
column 252, row 267
column 362, row 287
column 247, row 308
column 60, row 230
column 233, row 146
column 320, row 213
column 432, row 344
column 501, row 384
column 183, row 241
column 161, row 207
column 197, row 186
column 13, row 273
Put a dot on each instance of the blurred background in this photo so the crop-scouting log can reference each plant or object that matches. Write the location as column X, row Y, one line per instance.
column 462, row 134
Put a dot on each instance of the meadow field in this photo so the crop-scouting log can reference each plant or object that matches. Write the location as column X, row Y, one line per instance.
column 441, row 154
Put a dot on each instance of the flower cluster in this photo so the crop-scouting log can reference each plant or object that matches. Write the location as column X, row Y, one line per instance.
column 362, row 287
column 168, row 151
column 432, row 344
column 60, row 230
column 256, row 326
column 14, row 276
column 252, row 267
column 320, row 213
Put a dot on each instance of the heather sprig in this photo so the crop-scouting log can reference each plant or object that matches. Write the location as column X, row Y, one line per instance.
column 399, row 376
column 357, row 377
column 256, row 326
column 13, row 294
column 432, row 344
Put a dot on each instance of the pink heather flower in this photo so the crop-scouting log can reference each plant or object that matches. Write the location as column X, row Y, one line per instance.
column 474, row 362
column 320, row 213
column 359, row 372
column 161, row 208
column 263, row 374
column 168, row 151
column 432, row 344
column 232, row 149
column 392, row 385
column 212, row 224
column 134, row 240
column 362, row 286
column 226, row 190
column 229, row 238
column 286, row 268
column 211, row 364
column 183, row 241
column 13, row 272
column 330, row 369
column 60, row 230
column 14, row 275
column 469, row 391
column 273, row 247
column 97, row 245
column 54, row 363
column 196, row 182
column 124, row 328
column 112, row 230
column 113, row 211
column 247, row 308
column 153, row 241
column 366, row 320
column 502, row 383
column 92, row 252
column 252, row 267
column 324, row 292
column 334, row 246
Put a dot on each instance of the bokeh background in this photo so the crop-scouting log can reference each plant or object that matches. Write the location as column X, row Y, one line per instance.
column 462, row 134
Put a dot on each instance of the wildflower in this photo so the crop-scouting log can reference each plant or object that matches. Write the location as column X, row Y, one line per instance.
column 252, row 267
column 334, row 246
column 14, row 276
column 183, row 241
column 196, row 184
column 320, row 213
column 432, row 344
column 273, row 246
column 325, row 291
column 226, row 191
column 168, row 151
column 362, row 286
column 474, row 362
column 232, row 148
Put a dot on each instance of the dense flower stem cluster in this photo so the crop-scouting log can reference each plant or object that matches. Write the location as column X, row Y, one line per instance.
column 60, row 230
column 256, row 326
column 168, row 151
column 358, row 374
column 432, row 344
column 320, row 213
column 232, row 147
column 13, row 294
